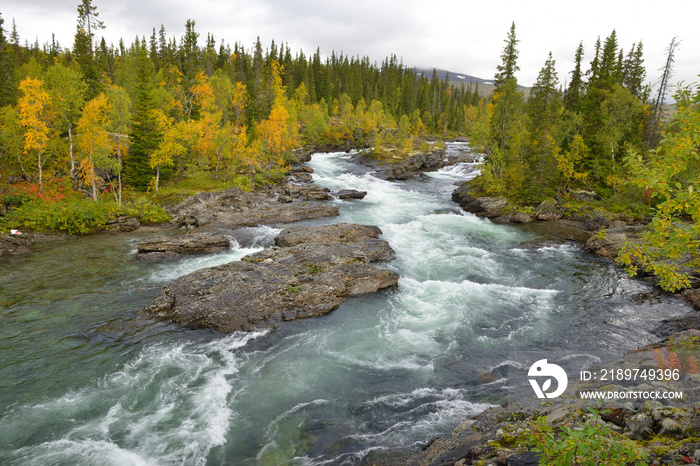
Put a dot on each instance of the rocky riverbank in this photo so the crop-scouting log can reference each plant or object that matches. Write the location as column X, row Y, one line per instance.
column 601, row 232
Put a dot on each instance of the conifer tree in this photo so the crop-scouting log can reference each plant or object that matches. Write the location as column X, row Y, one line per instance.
column 634, row 73
column 7, row 68
column 544, row 104
column 574, row 93
column 508, row 98
column 145, row 134
column 191, row 55
column 509, row 59
column 83, row 45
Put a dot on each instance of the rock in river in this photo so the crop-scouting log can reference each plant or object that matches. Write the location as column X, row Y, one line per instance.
column 317, row 270
column 169, row 246
column 13, row 244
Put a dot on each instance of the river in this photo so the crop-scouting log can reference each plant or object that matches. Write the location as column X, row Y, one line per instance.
column 84, row 381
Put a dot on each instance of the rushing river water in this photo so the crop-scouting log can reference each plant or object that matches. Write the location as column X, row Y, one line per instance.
column 84, row 381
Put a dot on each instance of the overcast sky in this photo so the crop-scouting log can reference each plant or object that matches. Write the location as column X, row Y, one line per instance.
column 460, row 36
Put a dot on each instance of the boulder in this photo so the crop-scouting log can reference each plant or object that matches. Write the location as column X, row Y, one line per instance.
column 639, row 427
column 306, row 192
column 350, row 194
column 549, row 210
column 302, row 154
column 302, row 177
column 317, row 195
column 521, row 217
column 265, row 289
column 13, row 244
column 123, row 223
column 584, row 195
column 170, row 246
column 606, row 244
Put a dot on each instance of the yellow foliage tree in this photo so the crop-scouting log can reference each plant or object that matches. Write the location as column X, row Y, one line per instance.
column 569, row 161
column 173, row 144
column 275, row 131
column 93, row 141
column 33, row 111
column 280, row 131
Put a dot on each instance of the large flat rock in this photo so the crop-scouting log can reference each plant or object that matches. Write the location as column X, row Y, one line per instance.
column 308, row 278
column 168, row 246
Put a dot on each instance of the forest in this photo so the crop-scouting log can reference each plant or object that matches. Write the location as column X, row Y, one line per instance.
column 157, row 110
column 97, row 130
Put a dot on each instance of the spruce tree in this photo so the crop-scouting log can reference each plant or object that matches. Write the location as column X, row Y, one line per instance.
column 83, row 45
column 574, row 93
column 144, row 134
column 544, row 104
column 509, row 59
column 508, row 98
column 634, row 73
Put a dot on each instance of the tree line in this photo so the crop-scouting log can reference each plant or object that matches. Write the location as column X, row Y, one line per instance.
column 607, row 137
column 559, row 140
column 109, row 116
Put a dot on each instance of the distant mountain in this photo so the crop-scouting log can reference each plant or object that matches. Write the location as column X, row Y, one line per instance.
column 454, row 77
column 485, row 85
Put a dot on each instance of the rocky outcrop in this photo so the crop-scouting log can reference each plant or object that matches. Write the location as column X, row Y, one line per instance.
column 303, row 279
column 489, row 207
column 275, row 213
column 607, row 243
column 234, row 208
column 169, row 246
column 337, row 233
column 13, row 244
column 416, row 164
column 296, row 198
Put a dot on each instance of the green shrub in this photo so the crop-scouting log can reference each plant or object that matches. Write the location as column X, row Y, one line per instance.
column 73, row 216
column 592, row 443
column 269, row 176
column 79, row 215
column 145, row 210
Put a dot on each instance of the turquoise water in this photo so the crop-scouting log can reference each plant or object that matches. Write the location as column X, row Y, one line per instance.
column 83, row 380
